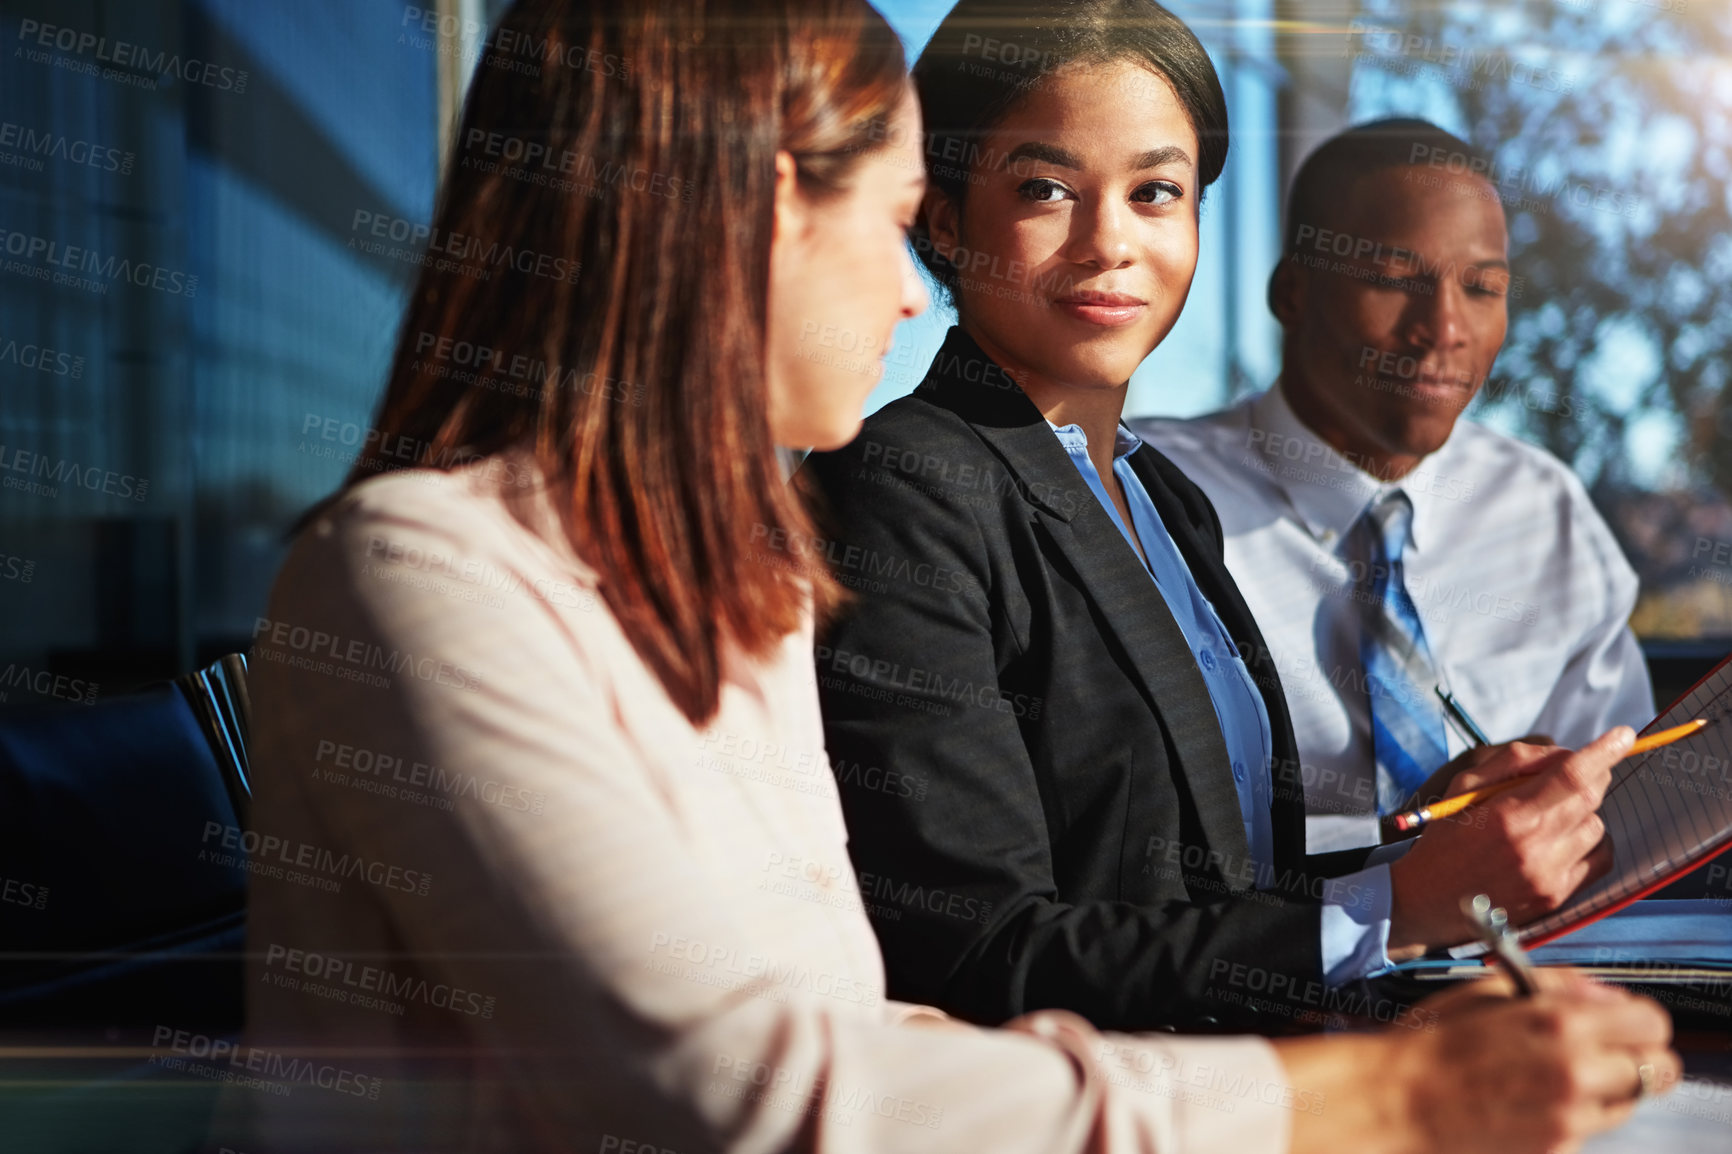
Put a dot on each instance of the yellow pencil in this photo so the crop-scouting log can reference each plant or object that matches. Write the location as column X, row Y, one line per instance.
column 1666, row 736
column 1449, row 807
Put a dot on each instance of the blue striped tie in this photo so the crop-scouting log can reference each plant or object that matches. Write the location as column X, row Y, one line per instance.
column 1400, row 677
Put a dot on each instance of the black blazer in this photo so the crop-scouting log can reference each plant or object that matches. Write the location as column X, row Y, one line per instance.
column 1040, row 806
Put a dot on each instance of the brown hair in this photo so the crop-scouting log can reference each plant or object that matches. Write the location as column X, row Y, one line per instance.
column 601, row 249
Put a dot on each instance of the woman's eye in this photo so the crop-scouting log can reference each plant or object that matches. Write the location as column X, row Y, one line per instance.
column 1158, row 192
column 1041, row 191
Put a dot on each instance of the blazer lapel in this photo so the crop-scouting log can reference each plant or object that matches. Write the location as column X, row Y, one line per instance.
column 1134, row 610
column 1287, row 800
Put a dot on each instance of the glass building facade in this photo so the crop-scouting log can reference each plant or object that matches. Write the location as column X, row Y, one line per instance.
column 193, row 333
column 210, row 213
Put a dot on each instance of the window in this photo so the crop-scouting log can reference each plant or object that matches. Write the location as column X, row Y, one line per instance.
column 1606, row 121
column 206, row 250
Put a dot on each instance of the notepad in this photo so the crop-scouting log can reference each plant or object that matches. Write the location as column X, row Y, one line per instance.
column 1666, row 813
column 1694, row 931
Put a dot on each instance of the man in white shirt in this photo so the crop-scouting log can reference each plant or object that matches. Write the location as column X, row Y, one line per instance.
column 1387, row 548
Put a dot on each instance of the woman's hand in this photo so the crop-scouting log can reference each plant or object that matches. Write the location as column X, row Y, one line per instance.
column 1481, row 1071
column 1538, row 1073
column 1479, row 767
column 1528, row 848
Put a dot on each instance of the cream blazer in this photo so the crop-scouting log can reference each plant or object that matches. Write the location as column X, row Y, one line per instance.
column 506, row 898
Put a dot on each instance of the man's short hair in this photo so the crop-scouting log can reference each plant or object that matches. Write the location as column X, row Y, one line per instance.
column 1398, row 142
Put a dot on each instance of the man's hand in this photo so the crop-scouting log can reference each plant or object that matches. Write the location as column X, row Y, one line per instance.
column 1529, row 847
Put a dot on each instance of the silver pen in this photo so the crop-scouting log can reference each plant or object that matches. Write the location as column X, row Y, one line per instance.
column 1492, row 923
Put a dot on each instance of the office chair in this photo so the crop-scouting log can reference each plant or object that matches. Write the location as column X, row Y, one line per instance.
column 112, row 886
column 120, row 910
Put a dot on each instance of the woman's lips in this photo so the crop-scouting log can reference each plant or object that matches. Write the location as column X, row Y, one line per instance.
column 1106, row 309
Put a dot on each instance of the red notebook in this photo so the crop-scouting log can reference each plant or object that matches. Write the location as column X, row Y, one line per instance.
column 1667, row 812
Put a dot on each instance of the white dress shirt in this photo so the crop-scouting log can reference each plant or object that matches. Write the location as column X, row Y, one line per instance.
column 1524, row 595
column 512, row 899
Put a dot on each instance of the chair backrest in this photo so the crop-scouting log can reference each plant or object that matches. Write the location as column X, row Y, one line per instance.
column 120, row 860
column 218, row 697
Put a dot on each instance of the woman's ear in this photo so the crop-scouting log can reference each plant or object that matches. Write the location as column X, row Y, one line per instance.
column 790, row 209
column 941, row 215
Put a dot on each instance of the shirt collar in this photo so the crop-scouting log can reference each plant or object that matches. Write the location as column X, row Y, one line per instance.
column 1326, row 490
column 1075, row 440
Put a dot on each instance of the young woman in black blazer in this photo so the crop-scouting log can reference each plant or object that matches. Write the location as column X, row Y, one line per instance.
column 1056, row 797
